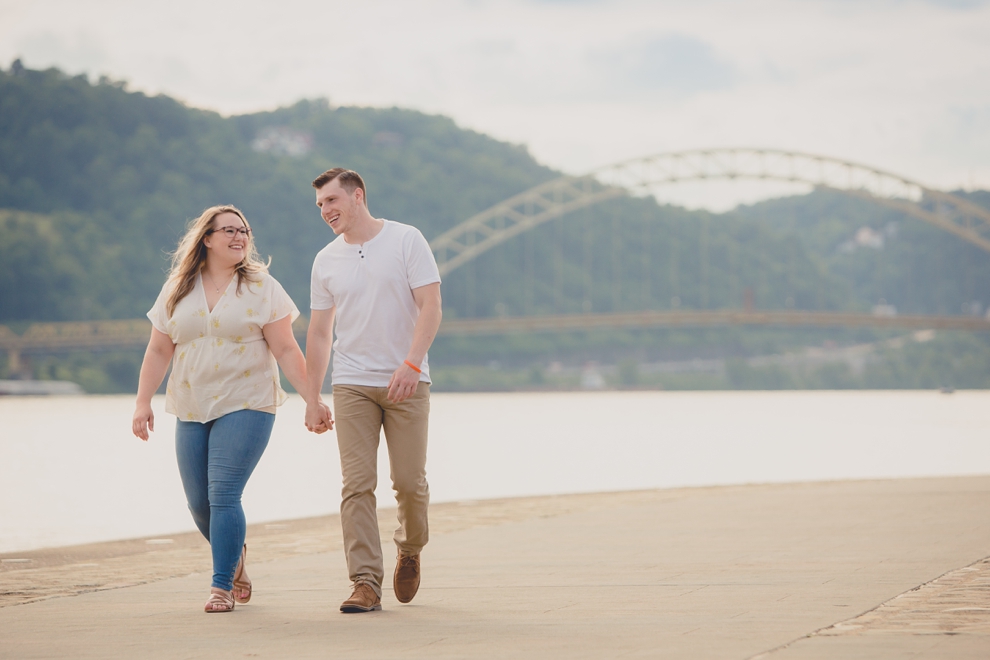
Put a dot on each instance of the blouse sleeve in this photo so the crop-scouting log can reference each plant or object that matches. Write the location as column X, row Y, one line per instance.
column 281, row 304
column 157, row 314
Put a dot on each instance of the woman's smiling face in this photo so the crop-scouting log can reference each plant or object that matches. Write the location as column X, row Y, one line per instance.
column 229, row 250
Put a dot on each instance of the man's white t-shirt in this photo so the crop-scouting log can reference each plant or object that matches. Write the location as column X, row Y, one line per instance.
column 371, row 286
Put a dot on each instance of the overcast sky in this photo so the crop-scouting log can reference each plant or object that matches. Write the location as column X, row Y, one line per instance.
column 897, row 84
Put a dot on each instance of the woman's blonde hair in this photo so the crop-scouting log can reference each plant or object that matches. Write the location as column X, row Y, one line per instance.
column 190, row 257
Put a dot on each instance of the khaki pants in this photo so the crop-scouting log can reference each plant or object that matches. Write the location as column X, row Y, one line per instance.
column 360, row 414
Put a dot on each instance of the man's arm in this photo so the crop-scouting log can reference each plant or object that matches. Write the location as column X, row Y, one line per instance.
column 405, row 378
column 319, row 337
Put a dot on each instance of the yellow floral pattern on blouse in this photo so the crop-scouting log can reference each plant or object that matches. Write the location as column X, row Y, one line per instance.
column 234, row 369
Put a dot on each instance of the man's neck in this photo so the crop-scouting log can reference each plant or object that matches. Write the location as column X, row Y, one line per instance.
column 365, row 228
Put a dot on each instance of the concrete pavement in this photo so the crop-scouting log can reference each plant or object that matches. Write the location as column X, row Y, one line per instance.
column 858, row 569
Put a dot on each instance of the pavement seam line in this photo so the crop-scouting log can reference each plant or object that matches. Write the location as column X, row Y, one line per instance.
column 823, row 629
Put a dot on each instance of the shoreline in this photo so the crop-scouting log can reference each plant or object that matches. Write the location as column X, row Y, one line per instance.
column 48, row 556
column 536, row 389
column 572, row 442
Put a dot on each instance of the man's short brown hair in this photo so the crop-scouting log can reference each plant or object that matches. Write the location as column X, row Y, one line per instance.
column 349, row 180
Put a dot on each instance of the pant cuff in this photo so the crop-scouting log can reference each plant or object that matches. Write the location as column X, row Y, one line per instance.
column 371, row 583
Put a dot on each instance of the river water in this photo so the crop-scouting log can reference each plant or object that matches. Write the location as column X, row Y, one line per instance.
column 71, row 472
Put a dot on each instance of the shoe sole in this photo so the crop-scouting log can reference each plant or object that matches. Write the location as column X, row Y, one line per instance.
column 356, row 609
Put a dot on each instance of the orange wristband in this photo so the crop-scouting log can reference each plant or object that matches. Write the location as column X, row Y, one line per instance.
column 412, row 366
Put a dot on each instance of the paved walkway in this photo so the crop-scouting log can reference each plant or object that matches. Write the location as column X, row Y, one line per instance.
column 822, row 570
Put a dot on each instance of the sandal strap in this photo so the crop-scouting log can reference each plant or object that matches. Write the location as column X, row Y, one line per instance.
column 241, row 581
column 223, row 598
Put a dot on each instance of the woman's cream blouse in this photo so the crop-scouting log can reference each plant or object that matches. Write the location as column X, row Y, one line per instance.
column 222, row 362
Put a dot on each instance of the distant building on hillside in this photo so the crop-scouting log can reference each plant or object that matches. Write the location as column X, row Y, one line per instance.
column 868, row 237
column 283, row 141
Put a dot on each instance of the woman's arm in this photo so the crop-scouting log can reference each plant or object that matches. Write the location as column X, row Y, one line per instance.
column 283, row 346
column 153, row 368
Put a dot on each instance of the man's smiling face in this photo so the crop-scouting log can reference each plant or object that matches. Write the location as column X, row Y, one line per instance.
column 338, row 208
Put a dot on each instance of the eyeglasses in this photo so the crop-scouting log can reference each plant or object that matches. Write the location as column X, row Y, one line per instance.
column 231, row 231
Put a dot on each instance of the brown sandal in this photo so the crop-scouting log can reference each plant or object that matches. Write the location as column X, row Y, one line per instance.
column 242, row 583
column 220, row 600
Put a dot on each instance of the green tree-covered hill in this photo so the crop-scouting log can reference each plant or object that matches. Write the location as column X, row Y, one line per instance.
column 133, row 170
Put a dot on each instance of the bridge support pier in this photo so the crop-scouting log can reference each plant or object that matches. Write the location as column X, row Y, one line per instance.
column 14, row 363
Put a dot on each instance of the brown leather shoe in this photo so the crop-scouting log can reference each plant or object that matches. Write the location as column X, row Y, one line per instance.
column 405, row 581
column 364, row 599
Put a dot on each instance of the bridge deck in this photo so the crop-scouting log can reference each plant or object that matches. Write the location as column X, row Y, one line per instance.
column 133, row 333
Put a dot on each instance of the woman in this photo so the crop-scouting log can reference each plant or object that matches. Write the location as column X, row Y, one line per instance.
column 226, row 322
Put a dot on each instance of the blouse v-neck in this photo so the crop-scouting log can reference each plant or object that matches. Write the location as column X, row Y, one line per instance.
column 206, row 300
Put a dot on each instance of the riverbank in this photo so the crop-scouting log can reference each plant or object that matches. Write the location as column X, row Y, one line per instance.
column 891, row 568
column 63, row 450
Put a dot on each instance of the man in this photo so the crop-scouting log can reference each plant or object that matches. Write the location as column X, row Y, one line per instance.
column 379, row 281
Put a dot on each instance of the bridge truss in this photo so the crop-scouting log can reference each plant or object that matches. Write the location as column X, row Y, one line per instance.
column 558, row 197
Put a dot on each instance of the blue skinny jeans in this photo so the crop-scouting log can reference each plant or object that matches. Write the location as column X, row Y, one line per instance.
column 215, row 460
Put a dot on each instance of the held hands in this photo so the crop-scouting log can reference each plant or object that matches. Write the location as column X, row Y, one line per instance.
column 318, row 421
column 401, row 386
column 318, row 417
column 403, row 383
column 143, row 421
